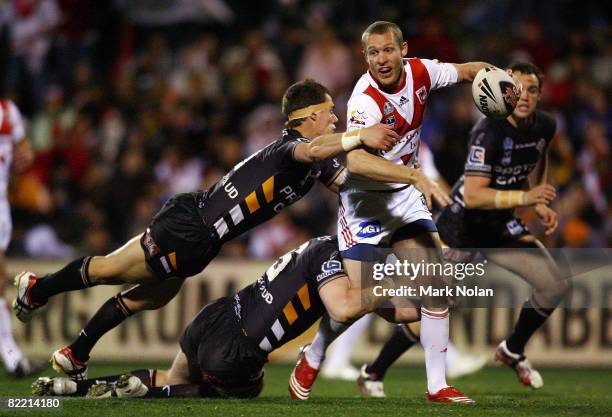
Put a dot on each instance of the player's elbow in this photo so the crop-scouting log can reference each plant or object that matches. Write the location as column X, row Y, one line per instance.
column 344, row 310
column 315, row 153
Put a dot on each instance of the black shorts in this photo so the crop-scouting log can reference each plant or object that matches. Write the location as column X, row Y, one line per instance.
column 459, row 229
column 219, row 353
column 177, row 243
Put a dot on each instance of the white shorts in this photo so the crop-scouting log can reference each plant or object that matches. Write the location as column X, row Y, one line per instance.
column 6, row 225
column 372, row 217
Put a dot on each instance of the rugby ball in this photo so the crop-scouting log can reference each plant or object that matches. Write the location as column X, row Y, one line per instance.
column 494, row 92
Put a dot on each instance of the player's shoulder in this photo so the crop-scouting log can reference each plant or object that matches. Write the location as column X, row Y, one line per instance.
column 547, row 121
column 487, row 126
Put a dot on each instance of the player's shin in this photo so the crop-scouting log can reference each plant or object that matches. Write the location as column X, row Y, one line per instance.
column 329, row 330
column 72, row 277
column 531, row 318
column 434, row 339
column 112, row 313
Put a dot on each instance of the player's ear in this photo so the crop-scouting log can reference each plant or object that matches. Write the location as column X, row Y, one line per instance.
column 404, row 49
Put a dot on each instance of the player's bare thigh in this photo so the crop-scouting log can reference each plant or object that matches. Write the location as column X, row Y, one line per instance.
column 177, row 374
column 529, row 259
column 126, row 264
column 151, row 295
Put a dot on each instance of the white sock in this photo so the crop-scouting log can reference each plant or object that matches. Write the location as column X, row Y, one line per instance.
column 9, row 351
column 452, row 354
column 340, row 353
column 434, row 339
column 328, row 331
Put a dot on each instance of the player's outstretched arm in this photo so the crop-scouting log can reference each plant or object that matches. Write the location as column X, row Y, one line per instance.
column 322, row 147
column 478, row 195
column 364, row 163
column 468, row 70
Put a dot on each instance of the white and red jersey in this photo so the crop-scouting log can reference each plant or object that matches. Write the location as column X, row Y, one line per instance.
column 12, row 131
column 401, row 109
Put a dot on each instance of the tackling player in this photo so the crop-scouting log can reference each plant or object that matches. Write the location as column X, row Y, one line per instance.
column 223, row 350
column 378, row 213
column 505, row 157
column 189, row 230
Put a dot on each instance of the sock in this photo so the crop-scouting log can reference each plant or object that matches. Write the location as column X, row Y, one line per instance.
column 328, row 331
column 340, row 354
column 145, row 375
column 9, row 351
column 110, row 315
column 181, row 391
column 531, row 318
column 70, row 278
column 452, row 354
column 401, row 340
column 434, row 339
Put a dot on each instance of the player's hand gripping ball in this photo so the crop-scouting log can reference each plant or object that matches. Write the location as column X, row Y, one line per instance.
column 495, row 93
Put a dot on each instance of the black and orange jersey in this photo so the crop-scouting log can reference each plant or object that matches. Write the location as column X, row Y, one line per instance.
column 284, row 302
column 260, row 186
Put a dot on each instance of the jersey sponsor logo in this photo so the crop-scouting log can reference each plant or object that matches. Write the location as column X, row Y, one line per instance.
column 329, row 268
column 358, row 118
column 231, row 191
column 421, row 94
column 150, row 244
column 477, row 155
column 369, row 229
column 508, row 143
column 263, row 291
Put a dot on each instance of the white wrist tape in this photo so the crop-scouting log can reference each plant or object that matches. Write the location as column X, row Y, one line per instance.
column 351, row 140
column 509, row 199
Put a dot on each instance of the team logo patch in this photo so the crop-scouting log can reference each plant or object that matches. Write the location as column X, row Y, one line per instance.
column 421, row 94
column 508, row 143
column 514, row 227
column 150, row 244
column 390, row 121
column 388, row 108
column 357, row 118
column 506, row 160
column 369, row 229
column 477, row 155
column 329, row 268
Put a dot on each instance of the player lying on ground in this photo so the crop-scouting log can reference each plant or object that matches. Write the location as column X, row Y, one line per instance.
column 505, row 156
column 190, row 229
column 375, row 213
column 223, row 350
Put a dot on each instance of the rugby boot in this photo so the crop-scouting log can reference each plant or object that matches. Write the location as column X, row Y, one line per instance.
column 302, row 377
column 528, row 376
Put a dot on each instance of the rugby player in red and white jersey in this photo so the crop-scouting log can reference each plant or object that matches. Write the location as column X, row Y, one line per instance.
column 375, row 212
column 15, row 149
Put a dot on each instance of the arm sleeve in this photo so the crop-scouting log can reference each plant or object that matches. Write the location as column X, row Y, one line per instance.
column 325, row 263
column 361, row 111
column 483, row 152
column 441, row 74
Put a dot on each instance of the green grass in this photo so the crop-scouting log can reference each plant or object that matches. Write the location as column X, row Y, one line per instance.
column 567, row 392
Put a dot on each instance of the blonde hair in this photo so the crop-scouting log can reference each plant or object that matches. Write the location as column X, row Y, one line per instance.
column 381, row 27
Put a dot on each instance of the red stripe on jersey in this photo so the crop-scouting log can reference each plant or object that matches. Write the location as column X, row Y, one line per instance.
column 5, row 127
column 420, row 79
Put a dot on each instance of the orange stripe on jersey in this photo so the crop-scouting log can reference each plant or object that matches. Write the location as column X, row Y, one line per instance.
column 304, row 296
column 268, row 189
column 290, row 313
column 172, row 258
column 252, row 202
column 5, row 127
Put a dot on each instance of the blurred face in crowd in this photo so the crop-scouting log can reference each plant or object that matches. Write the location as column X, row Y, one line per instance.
column 530, row 95
column 325, row 120
column 384, row 53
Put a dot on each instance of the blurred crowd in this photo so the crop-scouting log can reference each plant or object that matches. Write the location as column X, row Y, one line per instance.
column 130, row 102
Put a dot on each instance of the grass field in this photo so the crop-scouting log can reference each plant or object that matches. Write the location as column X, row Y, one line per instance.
column 567, row 392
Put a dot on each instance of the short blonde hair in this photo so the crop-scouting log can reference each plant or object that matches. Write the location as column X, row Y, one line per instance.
column 381, row 27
